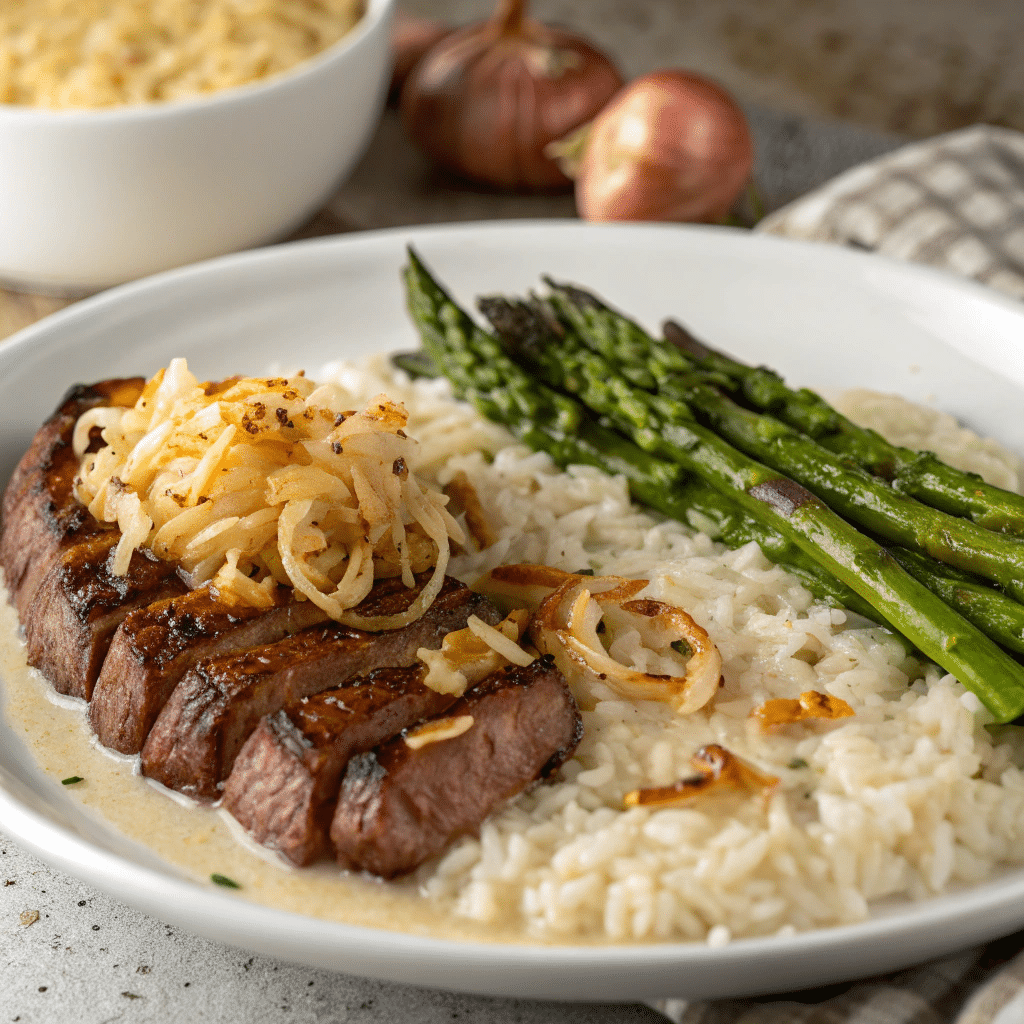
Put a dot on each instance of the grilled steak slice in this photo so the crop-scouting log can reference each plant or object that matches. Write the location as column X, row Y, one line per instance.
column 399, row 807
column 40, row 513
column 79, row 604
column 284, row 784
column 156, row 645
column 193, row 745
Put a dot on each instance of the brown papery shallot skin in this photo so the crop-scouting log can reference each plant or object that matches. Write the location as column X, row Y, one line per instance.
column 487, row 100
column 670, row 147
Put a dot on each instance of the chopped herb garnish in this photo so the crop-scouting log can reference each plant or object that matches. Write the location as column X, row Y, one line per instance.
column 683, row 648
column 584, row 572
column 228, row 883
column 71, row 780
column 797, row 762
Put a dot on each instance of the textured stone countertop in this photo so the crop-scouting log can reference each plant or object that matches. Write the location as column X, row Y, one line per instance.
column 88, row 958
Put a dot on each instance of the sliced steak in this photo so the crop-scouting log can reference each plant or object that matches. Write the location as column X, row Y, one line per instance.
column 40, row 513
column 79, row 604
column 400, row 806
column 156, row 645
column 285, row 780
column 215, row 708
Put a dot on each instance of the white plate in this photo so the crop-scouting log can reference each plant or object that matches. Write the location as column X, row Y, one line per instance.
column 823, row 316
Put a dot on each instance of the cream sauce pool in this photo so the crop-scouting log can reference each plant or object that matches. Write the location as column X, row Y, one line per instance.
column 198, row 840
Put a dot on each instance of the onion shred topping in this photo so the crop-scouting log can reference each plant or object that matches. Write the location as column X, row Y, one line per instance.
column 254, row 482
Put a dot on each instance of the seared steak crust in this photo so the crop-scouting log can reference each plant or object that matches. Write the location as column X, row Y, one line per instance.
column 285, row 780
column 40, row 515
column 156, row 645
column 79, row 604
column 217, row 705
column 398, row 806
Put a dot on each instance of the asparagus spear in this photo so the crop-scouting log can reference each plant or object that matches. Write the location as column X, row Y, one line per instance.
column 848, row 489
column 997, row 615
column 480, row 371
column 920, row 475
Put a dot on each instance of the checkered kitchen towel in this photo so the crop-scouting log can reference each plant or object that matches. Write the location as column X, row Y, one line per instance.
column 984, row 985
column 955, row 202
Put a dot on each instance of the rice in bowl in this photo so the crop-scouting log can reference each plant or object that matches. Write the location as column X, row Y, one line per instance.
column 63, row 54
column 909, row 796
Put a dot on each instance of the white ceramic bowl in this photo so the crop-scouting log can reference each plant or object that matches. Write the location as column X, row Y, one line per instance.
column 91, row 198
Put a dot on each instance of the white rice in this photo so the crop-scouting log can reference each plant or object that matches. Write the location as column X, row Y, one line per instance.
column 908, row 797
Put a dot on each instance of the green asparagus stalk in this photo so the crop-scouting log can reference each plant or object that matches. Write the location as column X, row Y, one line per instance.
column 921, row 475
column 997, row 615
column 481, row 371
column 854, row 493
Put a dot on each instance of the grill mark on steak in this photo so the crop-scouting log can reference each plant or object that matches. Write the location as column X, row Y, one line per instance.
column 156, row 645
column 79, row 604
column 40, row 515
column 398, row 807
column 217, row 705
column 285, row 780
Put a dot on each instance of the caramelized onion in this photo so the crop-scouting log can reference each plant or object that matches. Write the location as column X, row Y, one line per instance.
column 465, row 500
column 437, row 730
column 717, row 768
column 468, row 655
column 811, row 704
column 565, row 626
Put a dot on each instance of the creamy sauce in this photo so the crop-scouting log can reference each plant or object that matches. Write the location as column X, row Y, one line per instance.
column 198, row 840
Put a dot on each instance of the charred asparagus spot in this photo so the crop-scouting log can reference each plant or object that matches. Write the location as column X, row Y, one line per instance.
column 482, row 371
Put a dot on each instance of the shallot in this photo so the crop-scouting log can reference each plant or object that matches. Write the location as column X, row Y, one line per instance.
column 671, row 146
column 486, row 101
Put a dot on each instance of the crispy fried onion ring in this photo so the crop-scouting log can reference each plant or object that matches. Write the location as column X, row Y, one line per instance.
column 717, row 769
column 566, row 626
column 468, row 655
column 252, row 483
column 811, row 704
